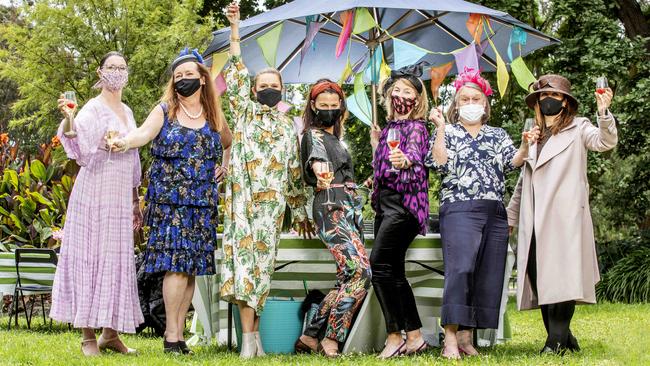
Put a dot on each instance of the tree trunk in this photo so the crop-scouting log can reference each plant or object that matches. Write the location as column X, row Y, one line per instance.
column 635, row 23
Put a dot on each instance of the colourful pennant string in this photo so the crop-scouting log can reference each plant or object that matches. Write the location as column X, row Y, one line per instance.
column 522, row 73
column 363, row 21
column 474, row 26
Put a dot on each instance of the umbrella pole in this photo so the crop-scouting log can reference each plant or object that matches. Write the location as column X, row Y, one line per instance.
column 373, row 84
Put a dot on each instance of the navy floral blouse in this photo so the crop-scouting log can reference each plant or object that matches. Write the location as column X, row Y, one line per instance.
column 476, row 167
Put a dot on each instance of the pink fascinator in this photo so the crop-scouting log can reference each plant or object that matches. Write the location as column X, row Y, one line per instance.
column 472, row 76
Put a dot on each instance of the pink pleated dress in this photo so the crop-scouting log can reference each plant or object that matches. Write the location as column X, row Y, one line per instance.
column 95, row 283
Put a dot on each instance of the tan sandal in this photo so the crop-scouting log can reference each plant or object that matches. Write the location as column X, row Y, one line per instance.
column 92, row 352
column 109, row 344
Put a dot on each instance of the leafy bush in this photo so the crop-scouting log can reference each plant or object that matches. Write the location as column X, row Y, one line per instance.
column 628, row 280
column 33, row 195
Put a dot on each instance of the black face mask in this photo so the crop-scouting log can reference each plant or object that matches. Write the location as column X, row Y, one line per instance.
column 187, row 87
column 550, row 106
column 269, row 96
column 328, row 117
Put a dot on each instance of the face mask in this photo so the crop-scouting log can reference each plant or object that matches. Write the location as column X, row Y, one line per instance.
column 114, row 80
column 550, row 106
column 402, row 105
column 269, row 96
column 471, row 113
column 328, row 117
column 187, row 87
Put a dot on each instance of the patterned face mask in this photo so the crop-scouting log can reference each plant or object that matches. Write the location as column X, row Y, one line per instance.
column 113, row 80
column 401, row 105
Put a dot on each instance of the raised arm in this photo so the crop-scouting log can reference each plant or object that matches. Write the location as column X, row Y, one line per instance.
column 605, row 136
column 145, row 133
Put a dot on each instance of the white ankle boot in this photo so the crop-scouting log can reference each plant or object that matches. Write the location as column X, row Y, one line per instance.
column 248, row 345
column 258, row 343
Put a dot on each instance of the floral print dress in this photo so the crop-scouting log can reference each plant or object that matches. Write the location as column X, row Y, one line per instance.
column 182, row 199
column 340, row 228
column 265, row 176
column 476, row 167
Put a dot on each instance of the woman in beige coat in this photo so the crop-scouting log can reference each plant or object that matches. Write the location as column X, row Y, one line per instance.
column 556, row 254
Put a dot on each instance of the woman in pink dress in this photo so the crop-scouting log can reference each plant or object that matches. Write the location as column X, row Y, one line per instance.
column 95, row 285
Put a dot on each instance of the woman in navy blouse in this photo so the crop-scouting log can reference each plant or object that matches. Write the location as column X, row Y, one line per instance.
column 473, row 159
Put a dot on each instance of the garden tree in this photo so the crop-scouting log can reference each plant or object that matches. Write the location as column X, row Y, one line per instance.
column 8, row 89
column 248, row 8
column 57, row 46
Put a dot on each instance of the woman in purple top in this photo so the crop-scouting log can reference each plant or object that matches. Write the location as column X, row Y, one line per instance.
column 401, row 204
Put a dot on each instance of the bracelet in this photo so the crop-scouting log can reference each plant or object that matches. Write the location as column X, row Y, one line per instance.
column 235, row 39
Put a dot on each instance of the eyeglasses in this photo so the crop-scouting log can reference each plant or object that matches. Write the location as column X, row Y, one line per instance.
column 116, row 68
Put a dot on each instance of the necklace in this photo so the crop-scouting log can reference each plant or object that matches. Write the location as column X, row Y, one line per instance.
column 196, row 116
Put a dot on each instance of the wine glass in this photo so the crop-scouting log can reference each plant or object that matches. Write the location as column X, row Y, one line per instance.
column 601, row 85
column 110, row 137
column 393, row 142
column 326, row 173
column 71, row 97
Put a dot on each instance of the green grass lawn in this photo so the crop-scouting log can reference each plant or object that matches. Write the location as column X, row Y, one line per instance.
column 609, row 334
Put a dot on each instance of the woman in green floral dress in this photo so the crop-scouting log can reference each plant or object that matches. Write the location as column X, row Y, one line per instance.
column 265, row 175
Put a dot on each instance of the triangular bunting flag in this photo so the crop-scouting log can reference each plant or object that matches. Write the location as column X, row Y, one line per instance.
column 220, row 84
column 312, row 30
column 269, row 44
column 467, row 57
column 522, row 73
column 345, row 75
column 347, row 18
column 502, row 76
column 218, row 62
column 519, row 37
column 438, row 75
column 384, row 73
column 359, row 104
column 373, row 69
column 474, row 26
column 363, row 21
column 406, row 53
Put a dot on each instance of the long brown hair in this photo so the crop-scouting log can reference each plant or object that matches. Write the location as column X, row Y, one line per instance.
column 418, row 112
column 309, row 116
column 210, row 101
column 565, row 118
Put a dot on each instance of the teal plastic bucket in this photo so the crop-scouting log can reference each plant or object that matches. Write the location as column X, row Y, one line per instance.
column 280, row 325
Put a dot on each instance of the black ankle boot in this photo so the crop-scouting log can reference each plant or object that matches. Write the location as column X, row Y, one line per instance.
column 572, row 344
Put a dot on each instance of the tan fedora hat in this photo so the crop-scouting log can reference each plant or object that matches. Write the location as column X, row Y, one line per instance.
column 550, row 83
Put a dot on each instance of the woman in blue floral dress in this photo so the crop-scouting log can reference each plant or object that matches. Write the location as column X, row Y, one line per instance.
column 189, row 134
column 473, row 159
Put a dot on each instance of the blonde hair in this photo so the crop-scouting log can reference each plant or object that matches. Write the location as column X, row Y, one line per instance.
column 268, row 70
column 210, row 101
column 420, row 111
column 452, row 113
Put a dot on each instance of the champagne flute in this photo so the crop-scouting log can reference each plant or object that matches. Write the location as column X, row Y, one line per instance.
column 72, row 100
column 111, row 135
column 393, row 143
column 326, row 173
column 71, row 104
column 601, row 85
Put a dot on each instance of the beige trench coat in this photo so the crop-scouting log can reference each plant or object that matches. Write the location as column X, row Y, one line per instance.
column 552, row 196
